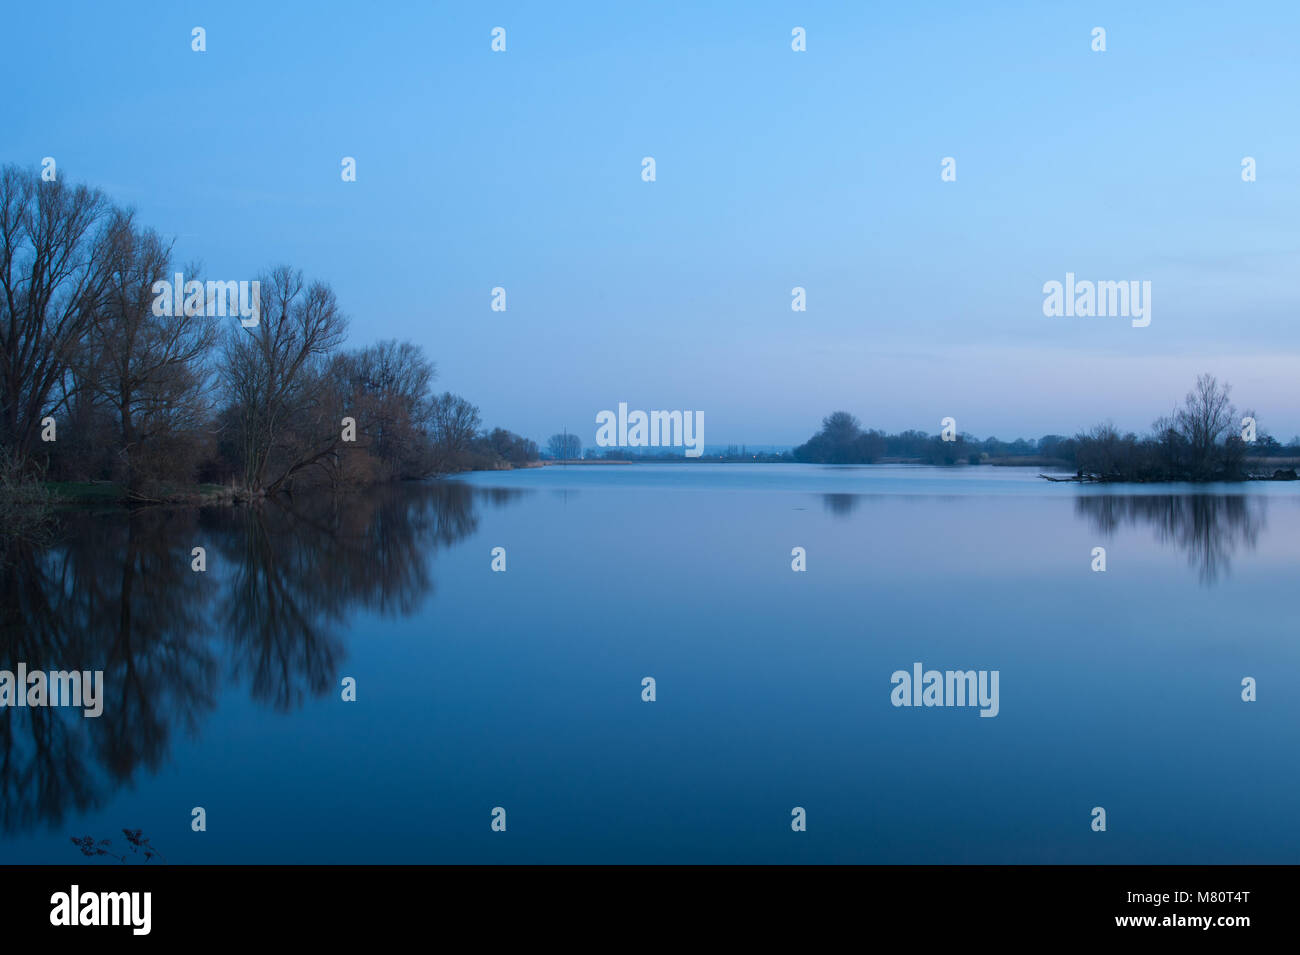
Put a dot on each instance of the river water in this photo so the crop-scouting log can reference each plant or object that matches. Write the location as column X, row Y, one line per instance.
column 522, row 689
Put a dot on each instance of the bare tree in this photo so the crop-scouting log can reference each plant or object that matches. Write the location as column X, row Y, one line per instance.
column 275, row 376
column 1099, row 450
column 455, row 423
column 385, row 387
column 840, row 427
column 1206, row 416
column 56, row 245
column 150, row 369
column 564, row 447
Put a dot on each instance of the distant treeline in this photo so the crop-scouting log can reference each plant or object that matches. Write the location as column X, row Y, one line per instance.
column 735, row 453
column 842, row 441
column 96, row 385
column 1201, row 440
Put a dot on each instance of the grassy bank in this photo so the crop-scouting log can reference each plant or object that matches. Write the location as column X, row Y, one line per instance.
column 106, row 493
column 90, row 493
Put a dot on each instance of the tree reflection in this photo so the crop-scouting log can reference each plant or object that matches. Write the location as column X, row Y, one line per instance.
column 115, row 592
column 111, row 594
column 1210, row 528
column 841, row 505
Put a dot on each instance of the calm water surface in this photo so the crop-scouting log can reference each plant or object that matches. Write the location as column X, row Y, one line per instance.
column 523, row 689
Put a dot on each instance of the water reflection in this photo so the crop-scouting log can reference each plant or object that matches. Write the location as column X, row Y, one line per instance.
column 116, row 596
column 115, row 592
column 1210, row 528
column 841, row 505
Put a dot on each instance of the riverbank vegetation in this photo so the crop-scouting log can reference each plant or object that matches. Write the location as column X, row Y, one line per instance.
column 99, row 385
column 1203, row 439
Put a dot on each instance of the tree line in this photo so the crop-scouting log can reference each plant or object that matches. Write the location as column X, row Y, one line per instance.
column 1203, row 439
column 96, row 385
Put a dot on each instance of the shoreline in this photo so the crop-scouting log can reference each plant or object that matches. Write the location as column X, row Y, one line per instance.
column 90, row 493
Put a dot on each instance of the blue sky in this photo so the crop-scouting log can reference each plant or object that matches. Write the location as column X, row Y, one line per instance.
column 775, row 169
